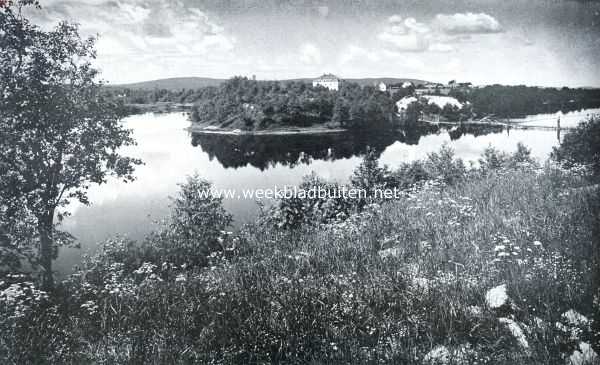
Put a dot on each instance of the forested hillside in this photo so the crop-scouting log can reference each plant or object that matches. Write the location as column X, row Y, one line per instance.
column 246, row 104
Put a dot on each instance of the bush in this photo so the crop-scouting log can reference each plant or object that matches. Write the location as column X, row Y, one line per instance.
column 442, row 165
column 581, row 146
column 196, row 228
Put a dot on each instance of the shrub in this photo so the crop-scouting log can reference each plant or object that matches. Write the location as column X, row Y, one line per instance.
column 444, row 166
column 196, row 227
column 581, row 146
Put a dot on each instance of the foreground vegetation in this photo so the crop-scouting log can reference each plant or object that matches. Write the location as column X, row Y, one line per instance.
column 488, row 265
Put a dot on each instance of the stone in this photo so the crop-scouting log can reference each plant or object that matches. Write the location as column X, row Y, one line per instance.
column 439, row 355
column 516, row 331
column 585, row 355
column 496, row 297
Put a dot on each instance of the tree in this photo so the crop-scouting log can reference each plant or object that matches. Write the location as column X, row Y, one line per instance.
column 582, row 146
column 370, row 177
column 58, row 134
column 195, row 229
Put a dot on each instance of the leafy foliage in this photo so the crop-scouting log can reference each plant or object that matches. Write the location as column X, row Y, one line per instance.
column 58, row 135
column 196, row 228
column 512, row 101
column 385, row 285
column 582, row 146
column 250, row 104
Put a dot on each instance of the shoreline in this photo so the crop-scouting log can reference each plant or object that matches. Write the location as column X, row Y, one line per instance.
column 285, row 131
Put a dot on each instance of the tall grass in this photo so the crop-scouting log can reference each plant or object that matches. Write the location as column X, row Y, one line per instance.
column 386, row 284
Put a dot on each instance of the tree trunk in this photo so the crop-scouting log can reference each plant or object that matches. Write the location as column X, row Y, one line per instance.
column 45, row 225
column 595, row 201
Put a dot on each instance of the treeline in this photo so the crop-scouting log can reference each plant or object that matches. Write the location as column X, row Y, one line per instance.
column 514, row 101
column 146, row 96
column 249, row 104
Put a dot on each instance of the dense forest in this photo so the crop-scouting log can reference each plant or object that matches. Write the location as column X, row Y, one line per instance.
column 514, row 101
column 254, row 105
column 241, row 103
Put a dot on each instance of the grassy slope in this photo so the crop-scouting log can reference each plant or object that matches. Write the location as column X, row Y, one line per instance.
column 330, row 294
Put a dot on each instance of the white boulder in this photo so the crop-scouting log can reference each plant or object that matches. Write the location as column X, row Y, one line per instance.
column 516, row 331
column 585, row 355
column 496, row 297
column 439, row 355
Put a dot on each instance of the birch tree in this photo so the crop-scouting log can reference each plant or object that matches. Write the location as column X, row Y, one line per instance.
column 58, row 134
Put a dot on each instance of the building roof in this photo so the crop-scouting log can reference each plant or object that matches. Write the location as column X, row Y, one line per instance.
column 327, row 77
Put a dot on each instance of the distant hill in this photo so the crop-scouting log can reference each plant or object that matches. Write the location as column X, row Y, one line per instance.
column 386, row 80
column 371, row 80
column 176, row 83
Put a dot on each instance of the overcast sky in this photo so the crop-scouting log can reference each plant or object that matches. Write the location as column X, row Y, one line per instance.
column 534, row 42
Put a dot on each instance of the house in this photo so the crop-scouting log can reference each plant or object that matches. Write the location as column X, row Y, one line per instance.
column 382, row 87
column 329, row 81
column 402, row 104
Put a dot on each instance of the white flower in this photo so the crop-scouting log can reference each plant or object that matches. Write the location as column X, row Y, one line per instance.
column 180, row 277
column 146, row 268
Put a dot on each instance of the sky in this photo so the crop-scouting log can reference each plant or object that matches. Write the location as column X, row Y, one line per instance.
column 532, row 42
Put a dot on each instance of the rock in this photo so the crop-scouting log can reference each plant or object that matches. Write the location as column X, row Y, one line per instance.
column 439, row 355
column 496, row 297
column 573, row 324
column 574, row 318
column 585, row 355
column 516, row 331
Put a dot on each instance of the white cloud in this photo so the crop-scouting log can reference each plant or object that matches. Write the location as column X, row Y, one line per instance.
column 443, row 34
column 310, row 54
column 142, row 27
column 415, row 26
column 411, row 42
column 395, row 19
column 405, row 35
column 467, row 23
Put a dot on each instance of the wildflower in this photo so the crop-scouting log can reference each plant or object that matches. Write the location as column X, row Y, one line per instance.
column 90, row 306
column 146, row 268
column 180, row 278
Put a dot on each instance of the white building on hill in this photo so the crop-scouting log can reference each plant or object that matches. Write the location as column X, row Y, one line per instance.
column 329, row 81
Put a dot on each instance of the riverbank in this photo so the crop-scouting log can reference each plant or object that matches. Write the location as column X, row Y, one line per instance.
column 488, row 266
column 204, row 129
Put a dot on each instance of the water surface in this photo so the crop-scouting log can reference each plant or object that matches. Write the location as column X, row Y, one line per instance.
column 170, row 153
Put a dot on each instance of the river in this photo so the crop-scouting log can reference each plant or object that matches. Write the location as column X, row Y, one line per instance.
column 170, row 153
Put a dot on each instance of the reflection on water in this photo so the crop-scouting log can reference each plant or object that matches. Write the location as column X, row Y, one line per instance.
column 251, row 162
column 567, row 119
column 269, row 151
